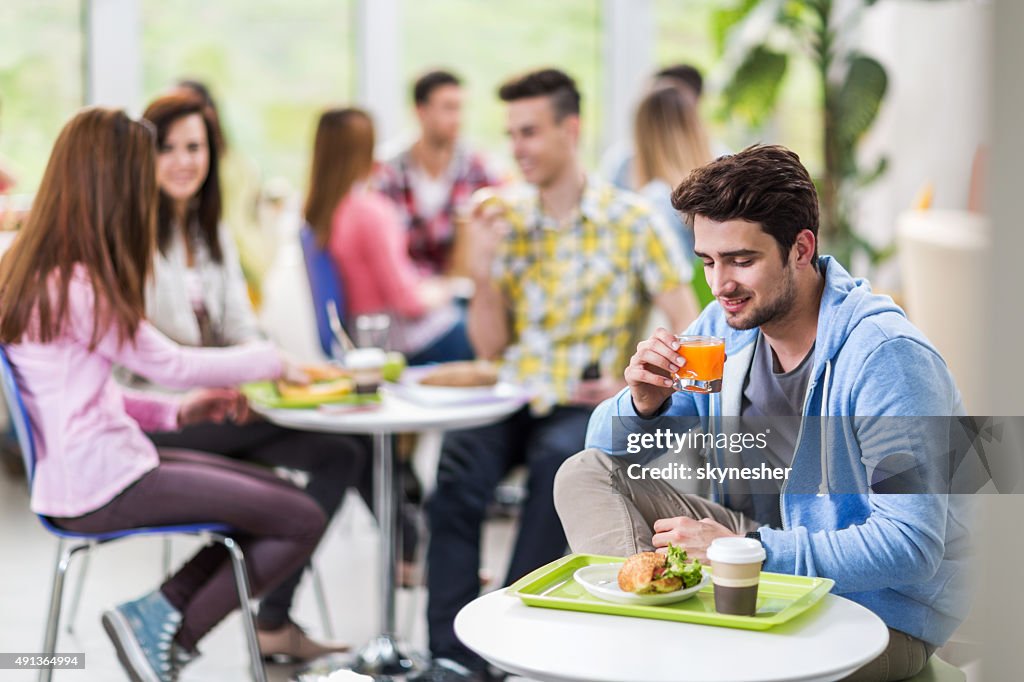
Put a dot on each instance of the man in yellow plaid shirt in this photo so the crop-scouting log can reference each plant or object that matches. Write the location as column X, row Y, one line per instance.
column 566, row 274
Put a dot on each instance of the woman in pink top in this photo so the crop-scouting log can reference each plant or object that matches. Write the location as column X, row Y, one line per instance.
column 365, row 237
column 71, row 306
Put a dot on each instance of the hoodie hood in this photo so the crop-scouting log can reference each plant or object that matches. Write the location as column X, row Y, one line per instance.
column 846, row 301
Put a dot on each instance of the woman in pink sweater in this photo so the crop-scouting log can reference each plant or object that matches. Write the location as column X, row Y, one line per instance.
column 364, row 235
column 71, row 307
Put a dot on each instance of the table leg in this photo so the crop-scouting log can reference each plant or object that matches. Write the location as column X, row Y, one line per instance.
column 381, row 654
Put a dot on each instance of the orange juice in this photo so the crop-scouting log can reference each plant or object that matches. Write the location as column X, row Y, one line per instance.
column 704, row 361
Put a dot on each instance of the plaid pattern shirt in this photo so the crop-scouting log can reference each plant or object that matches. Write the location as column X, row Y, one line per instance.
column 581, row 293
column 431, row 239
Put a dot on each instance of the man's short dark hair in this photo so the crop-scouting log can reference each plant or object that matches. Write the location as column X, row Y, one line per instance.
column 557, row 85
column 684, row 73
column 763, row 184
column 430, row 81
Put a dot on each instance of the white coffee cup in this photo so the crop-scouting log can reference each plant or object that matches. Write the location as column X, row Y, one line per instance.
column 367, row 367
column 735, row 573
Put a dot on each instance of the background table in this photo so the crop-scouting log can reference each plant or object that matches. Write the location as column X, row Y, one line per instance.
column 827, row 643
column 381, row 655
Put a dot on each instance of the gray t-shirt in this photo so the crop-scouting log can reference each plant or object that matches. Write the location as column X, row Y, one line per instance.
column 776, row 398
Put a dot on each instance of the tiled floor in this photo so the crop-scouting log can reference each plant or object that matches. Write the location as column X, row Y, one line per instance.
column 347, row 560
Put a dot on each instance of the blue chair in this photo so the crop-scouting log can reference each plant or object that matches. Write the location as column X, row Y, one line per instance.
column 83, row 542
column 325, row 286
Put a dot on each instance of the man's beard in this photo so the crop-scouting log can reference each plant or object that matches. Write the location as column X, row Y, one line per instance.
column 777, row 307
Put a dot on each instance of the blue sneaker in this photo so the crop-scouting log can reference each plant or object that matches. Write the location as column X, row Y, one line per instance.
column 142, row 632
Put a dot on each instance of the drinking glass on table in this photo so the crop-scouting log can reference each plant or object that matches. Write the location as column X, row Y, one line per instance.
column 373, row 331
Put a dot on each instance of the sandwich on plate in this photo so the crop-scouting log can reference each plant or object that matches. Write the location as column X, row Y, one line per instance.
column 653, row 573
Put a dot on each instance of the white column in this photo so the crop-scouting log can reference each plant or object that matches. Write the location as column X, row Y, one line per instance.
column 1001, row 549
column 1006, row 207
column 113, row 53
column 378, row 60
column 935, row 113
column 628, row 36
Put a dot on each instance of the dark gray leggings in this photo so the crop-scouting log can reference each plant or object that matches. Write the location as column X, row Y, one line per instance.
column 278, row 528
column 334, row 463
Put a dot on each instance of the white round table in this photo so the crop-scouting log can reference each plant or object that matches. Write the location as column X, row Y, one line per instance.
column 396, row 414
column 829, row 642
column 381, row 655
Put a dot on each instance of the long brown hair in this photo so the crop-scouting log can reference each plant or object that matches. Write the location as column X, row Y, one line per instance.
column 205, row 209
column 342, row 156
column 96, row 209
column 670, row 140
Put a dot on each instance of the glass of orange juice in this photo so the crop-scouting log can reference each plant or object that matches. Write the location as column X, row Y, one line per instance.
column 705, row 359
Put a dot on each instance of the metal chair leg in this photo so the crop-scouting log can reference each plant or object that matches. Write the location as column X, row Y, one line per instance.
column 64, row 556
column 76, row 598
column 321, row 601
column 167, row 557
column 259, row 674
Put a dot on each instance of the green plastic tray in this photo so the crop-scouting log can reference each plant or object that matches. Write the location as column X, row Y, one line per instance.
column 265, row 393
column 780, row 598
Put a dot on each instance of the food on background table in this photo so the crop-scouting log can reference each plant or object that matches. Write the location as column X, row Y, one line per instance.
column 322, row 389
column 467, row 374
column 324, row 372
column 394, row 366
column 653, row 573
column 325, row 382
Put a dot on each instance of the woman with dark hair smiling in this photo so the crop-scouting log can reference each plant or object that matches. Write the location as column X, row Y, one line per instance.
column 198, row 298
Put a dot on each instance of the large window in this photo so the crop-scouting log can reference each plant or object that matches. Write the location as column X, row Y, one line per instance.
column 273, row 65
column 685, row 33
column 40, row 81
column 486, row 41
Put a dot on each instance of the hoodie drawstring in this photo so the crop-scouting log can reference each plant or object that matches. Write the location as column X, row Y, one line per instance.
column 823, row 487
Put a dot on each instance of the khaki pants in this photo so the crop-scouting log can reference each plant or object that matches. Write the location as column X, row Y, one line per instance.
column 604, row 511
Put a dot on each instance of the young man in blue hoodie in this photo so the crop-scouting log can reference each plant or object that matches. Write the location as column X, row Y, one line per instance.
column 807, row 341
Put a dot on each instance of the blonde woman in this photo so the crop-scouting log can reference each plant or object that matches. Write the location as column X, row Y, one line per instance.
column 670, row 142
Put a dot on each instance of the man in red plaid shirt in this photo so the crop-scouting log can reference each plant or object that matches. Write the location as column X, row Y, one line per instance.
column 435, row 177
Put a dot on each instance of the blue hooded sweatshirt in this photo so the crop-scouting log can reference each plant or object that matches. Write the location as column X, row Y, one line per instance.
column 904, row 556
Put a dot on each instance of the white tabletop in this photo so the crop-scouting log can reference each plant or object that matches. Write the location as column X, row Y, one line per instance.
column 827, row 643
column 396, row 414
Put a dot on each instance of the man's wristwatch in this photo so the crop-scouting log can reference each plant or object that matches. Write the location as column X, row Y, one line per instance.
column 755, row 535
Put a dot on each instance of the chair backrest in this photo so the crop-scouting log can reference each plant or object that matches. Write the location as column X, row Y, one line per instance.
column 325, row 286
column 23, row 430
column 17, row 415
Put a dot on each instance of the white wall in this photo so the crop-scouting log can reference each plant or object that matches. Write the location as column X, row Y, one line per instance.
column 937, row 111
column 1002, row 548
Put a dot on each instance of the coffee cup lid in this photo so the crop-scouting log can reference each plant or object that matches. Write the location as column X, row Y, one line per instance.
column 365, row 358
column 736, row 551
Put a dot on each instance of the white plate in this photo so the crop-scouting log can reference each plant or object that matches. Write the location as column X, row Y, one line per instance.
column 410, row 388
column 602, row 581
